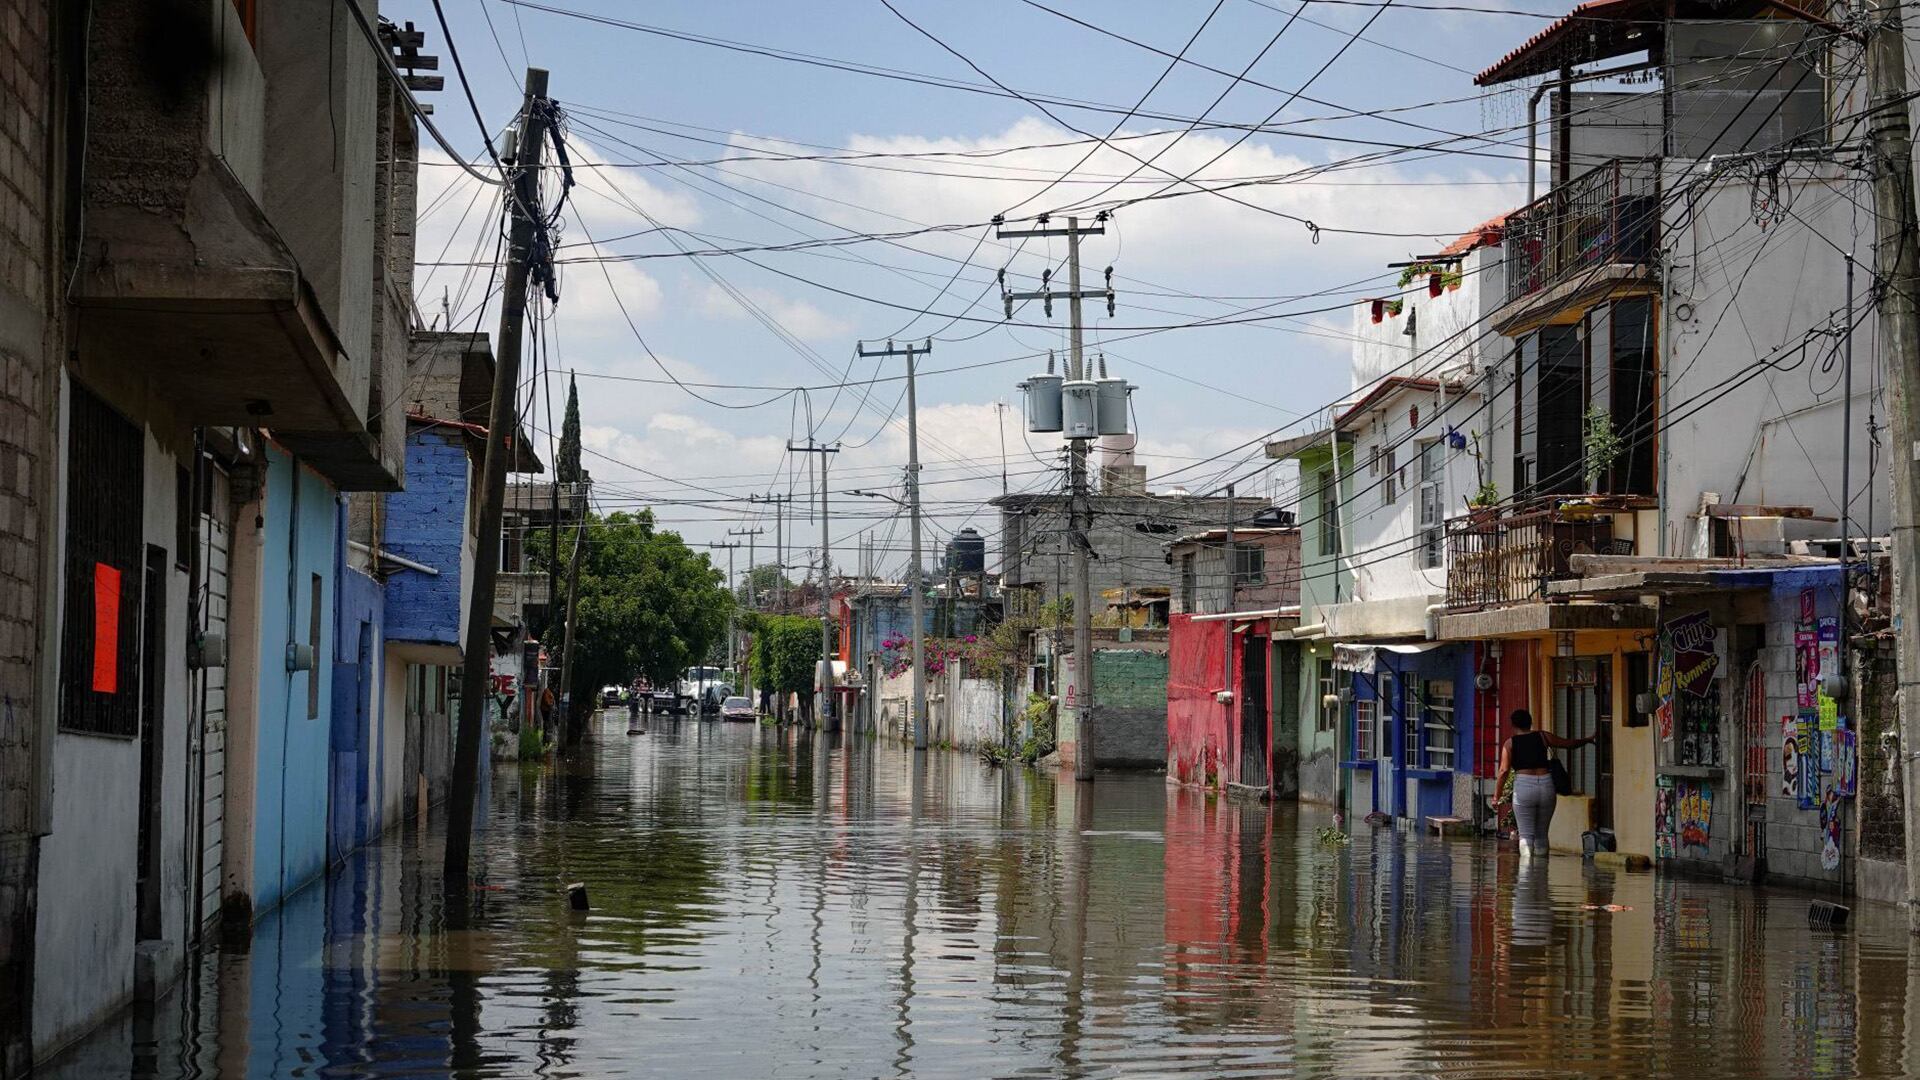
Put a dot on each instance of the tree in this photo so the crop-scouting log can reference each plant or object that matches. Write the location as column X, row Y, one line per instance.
column 566, row 460
column 785, row 650
column 766, row 582
column 648, row 605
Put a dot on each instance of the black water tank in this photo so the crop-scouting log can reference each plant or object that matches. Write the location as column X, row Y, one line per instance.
column 967, row 552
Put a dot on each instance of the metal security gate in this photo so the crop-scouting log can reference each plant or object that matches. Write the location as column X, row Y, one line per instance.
column 1254, row 739
column 210, row 688
column 100, row 635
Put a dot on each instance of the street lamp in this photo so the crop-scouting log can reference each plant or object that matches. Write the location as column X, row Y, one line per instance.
column 916, row 611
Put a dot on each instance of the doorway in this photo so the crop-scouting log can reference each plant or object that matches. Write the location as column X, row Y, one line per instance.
column 1583, row 707
column 153, row 637
column 1254, row 737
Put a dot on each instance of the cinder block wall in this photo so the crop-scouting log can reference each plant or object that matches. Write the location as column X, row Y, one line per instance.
column 1132, row 732
column 30, row 329
column 425, row 523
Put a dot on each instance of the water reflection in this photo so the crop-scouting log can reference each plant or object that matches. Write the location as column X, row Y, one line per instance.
column 777, row 902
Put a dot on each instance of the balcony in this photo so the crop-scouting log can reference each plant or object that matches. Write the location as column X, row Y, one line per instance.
column 194, row 272
column 1585, row 235
column 538, row 500
column 1508, row 556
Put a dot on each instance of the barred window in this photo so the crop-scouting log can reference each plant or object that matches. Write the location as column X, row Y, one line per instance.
column 1364, row 726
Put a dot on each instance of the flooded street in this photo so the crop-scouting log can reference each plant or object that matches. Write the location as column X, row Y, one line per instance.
column 768, row 903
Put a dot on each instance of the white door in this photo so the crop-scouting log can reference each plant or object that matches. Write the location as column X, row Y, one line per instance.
column 211, row 694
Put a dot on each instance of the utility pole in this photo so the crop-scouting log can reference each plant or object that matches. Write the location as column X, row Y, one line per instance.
column 826, row 715
column 1232, row 557
column 1896, row 268
column 730, row 548
column 1081, row 508
column 916, row 586
column 779, row 546
column 569, row 718
column 749, row 534
column 500, row 422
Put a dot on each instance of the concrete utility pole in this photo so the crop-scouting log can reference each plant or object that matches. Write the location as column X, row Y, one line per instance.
column 1233, row 578
column 826, row 717
column 916, row 585
column 729, row 547
column 749, row 534
column 779, row 546
column 1082, row 510
column 477, row 672
column 1896, row 267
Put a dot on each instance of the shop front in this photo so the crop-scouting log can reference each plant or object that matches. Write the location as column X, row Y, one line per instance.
column 1410, row 729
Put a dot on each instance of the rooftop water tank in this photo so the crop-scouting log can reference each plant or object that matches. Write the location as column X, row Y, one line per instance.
column 967, row 552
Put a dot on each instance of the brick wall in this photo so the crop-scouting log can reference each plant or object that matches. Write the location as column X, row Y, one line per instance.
column 28, row 261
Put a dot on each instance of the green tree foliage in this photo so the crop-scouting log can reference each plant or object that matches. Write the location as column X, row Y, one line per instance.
column 785, row 650
column 566, row 461
column 649, row 606
column 765, row 581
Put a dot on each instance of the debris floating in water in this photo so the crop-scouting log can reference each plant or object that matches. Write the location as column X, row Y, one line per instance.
column 577, row 896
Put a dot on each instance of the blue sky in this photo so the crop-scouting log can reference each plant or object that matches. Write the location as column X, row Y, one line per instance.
column 639, row 97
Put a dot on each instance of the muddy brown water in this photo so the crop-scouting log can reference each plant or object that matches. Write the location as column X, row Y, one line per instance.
column 774, row 903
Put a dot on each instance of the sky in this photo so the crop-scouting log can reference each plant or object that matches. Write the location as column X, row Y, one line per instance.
column 642, row 324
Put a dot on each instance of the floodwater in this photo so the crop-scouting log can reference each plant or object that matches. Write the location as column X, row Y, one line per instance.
column 772, row 903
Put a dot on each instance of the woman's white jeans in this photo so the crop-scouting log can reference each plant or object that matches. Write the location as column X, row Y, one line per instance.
column 1533, row 802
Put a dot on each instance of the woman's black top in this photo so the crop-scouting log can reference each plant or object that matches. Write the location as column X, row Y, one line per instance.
column 1529, row 751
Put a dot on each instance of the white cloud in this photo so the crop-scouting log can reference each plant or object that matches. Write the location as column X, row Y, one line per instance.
column 798, row 317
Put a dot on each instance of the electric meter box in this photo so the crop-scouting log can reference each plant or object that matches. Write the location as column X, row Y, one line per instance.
column 1043, row 402
column 1110, row 405
column 1078, row 410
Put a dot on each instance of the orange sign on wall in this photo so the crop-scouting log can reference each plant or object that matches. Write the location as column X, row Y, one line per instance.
column 106, row 629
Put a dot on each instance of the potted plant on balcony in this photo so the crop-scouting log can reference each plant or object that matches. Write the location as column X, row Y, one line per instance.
column 1601, row 446
column 1481, row 505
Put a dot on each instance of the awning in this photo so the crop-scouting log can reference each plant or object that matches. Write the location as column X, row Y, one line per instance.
column 1361, row 658
column 1291, row 611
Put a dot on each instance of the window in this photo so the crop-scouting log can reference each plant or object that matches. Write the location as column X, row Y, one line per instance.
column 512, row 556
column 100, row 635
column 1189, row 588
column 1410, row 716
column 1329, row 514
column 1390, row 487
column 1363, row 729
column 1432, row 505
column 1249, row 566
column 1329, row 699
column 1631, row 388
column 1436, row 722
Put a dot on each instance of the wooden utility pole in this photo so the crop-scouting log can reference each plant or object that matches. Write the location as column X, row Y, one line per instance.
column 1896, row 267
column 916, row 577
column 477, row 672
column 1080, row 503
column 570, row 715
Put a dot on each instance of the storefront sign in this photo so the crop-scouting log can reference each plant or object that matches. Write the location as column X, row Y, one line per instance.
column 1846, row 764
column 1691, row 637
column 1789, row 758
column 1694, row 814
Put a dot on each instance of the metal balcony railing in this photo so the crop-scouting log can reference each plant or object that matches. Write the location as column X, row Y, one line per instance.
column 1509, row 554
column 1607, row 215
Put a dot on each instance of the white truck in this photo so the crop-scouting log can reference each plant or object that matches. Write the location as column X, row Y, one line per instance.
column 696, row 688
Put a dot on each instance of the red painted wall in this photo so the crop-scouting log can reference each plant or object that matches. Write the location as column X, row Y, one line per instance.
column 1199, row 749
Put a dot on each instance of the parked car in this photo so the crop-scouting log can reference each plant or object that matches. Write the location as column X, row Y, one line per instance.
column 610, row 695
column 738, row 708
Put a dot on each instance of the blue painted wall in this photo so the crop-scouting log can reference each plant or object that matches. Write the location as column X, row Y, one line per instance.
column 1432, row 788
column 354, row 751
column 426, row 524
column 299, row 540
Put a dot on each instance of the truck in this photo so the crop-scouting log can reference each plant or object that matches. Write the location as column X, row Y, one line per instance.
column 692, row 692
